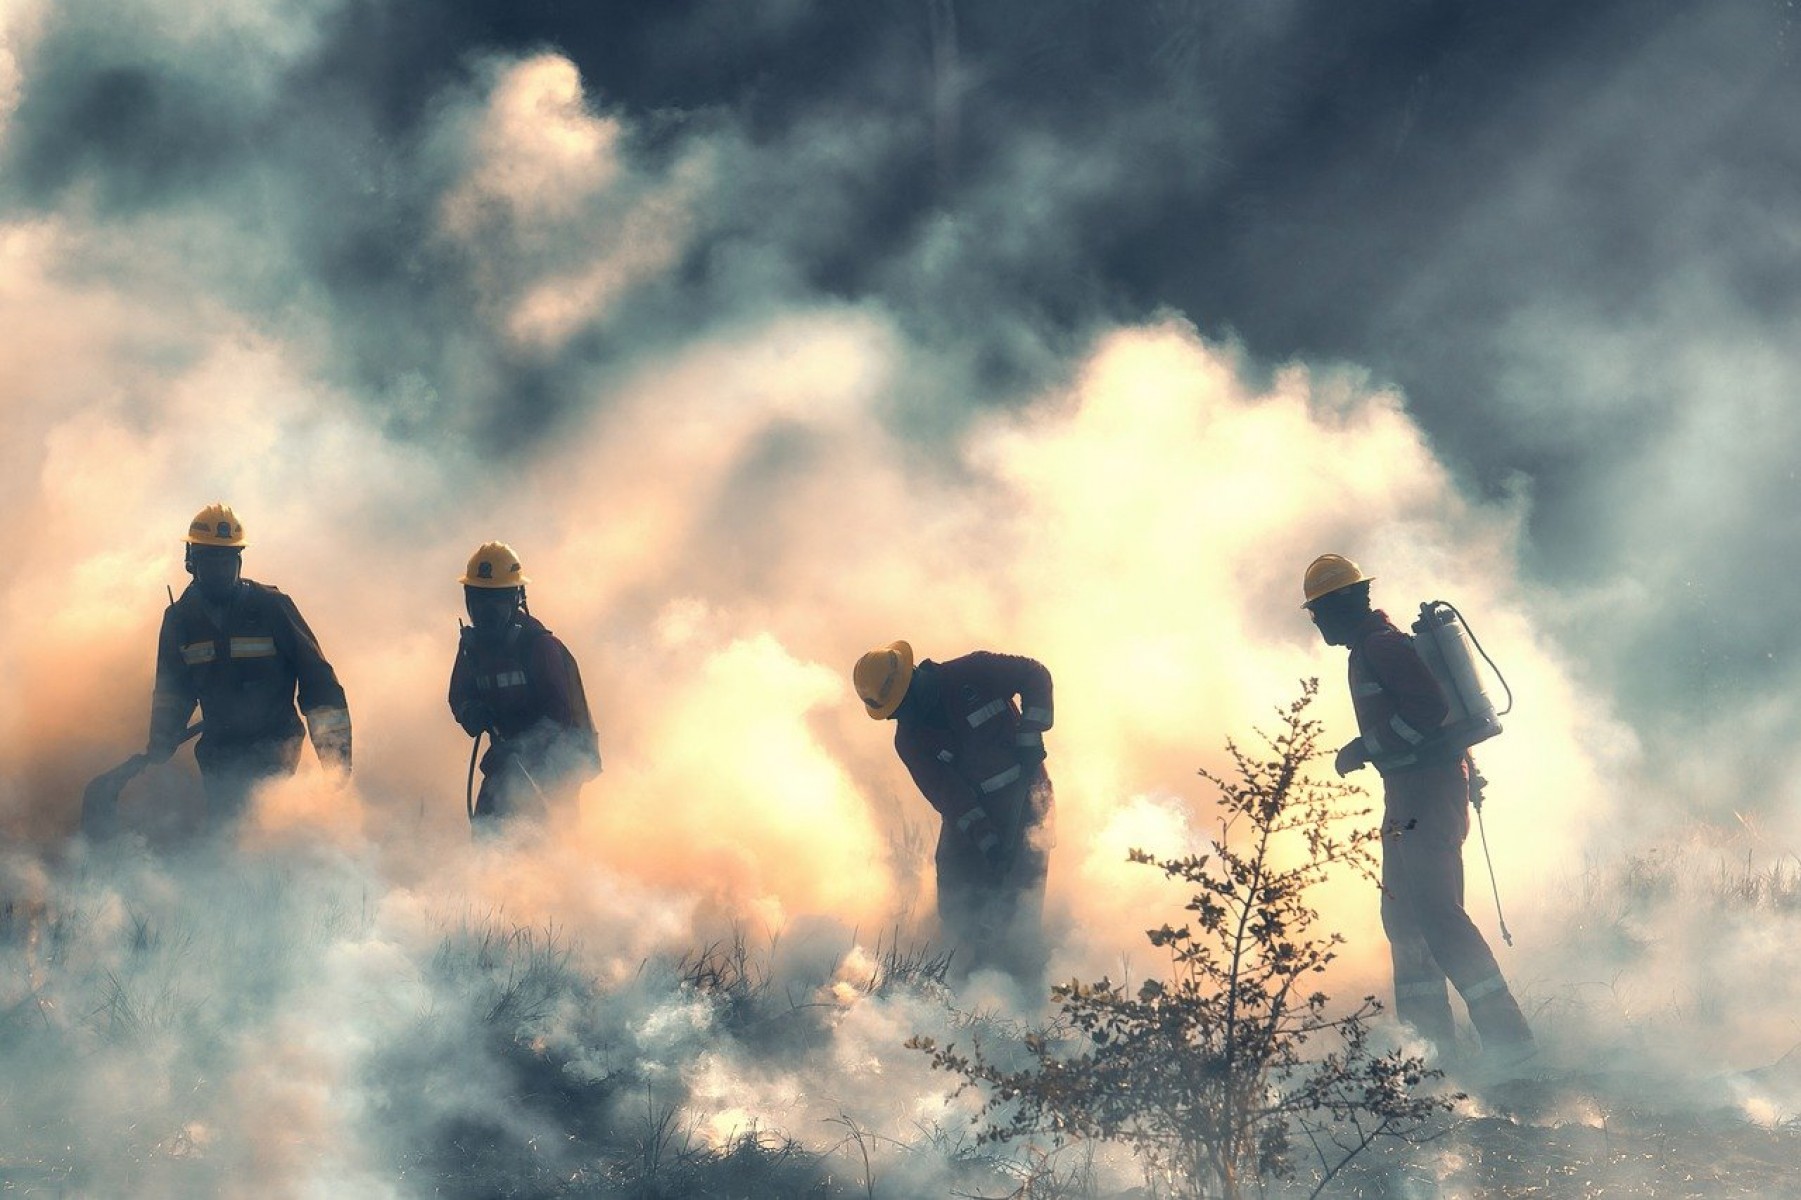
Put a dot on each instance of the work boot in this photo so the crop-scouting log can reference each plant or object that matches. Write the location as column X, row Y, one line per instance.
column 1504, row 1064
column 1498, row 1019
column 1422, row 997
column 1426, row 1006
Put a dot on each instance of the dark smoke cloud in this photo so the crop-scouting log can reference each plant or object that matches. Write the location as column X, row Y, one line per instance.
column 1559, row 229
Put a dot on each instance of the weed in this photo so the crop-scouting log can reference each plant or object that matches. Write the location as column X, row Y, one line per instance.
column 728, row 975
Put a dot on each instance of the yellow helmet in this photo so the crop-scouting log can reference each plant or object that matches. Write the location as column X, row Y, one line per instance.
column 1330, row 573
column 215, row 525
column 882, row 677
column 494, row 565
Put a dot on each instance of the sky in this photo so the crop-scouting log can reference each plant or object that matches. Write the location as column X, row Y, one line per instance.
column 768, row 332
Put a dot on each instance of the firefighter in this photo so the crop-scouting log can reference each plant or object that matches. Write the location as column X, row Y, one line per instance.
column 1425, row 819
column 978, row 757
column 243, row 653
column 516, row 682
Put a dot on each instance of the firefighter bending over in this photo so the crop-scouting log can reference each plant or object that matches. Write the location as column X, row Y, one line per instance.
column 243, row 653
column 1425, row 819
column 979, row 760
column 515, row 681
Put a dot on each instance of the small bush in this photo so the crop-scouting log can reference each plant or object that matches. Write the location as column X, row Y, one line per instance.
column 1216, row 1073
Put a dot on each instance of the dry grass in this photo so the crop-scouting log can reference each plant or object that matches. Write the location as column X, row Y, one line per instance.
column 157, row 991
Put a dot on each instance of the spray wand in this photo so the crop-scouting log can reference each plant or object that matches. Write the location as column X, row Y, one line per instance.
column 1478, row 783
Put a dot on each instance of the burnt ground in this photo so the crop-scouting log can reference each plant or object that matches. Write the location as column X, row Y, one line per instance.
column 1587, row 1136
column 1580, row 1138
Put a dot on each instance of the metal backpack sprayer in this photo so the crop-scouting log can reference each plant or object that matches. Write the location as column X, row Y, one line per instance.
column 1445, row 644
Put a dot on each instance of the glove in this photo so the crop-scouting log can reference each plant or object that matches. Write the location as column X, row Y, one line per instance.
column 1029, row 746
column 329, row 728
column 333, row 749
column 475, row 717
column 1351, row 757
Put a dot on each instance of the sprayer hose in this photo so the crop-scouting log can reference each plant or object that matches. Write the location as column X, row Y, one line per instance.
column 1475, row 641
column 475, row 747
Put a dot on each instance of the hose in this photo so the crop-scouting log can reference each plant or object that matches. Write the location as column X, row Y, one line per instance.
column 475, row 747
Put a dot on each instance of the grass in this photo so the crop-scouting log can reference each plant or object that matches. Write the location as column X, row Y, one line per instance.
column 1773, row 888
column 495, row 1059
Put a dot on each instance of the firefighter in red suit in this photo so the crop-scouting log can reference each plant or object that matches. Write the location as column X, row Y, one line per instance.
column 515, row 681
column 971, row 733
column 1425, row 819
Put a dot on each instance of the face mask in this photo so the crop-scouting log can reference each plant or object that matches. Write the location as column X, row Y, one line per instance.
column 491, row 610
column 1336, row 624
column 216, row 575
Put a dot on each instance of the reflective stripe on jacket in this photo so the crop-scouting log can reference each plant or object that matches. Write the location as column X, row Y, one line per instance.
column 530, row 681
column 1399, row 705
column 245, row 665
column 970, row 757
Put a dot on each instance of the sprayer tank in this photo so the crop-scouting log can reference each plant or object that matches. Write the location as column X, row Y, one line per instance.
column 1444, row 644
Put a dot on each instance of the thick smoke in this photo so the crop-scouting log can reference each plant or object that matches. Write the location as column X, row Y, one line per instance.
column 751, row 389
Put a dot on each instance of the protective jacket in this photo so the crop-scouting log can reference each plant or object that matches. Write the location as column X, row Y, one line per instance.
column 976, row 755
column 528, row 681
column 1399, row 706
column 244, row 665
